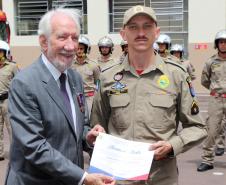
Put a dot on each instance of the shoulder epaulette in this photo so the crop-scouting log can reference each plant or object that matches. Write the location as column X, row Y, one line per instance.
column 213, row 56
column 175, row 64
column 109, row 67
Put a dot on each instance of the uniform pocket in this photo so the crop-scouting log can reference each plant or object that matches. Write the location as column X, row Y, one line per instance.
column 162, row 111
column 121, row 100
column 164, row 101
column 120, row 114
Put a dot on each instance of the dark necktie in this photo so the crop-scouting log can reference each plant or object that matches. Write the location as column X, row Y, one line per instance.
column 64, row 92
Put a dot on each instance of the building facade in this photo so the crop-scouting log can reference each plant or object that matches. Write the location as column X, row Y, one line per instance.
column 192, row 23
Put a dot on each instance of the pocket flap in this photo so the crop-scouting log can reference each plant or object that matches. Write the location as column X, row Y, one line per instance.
column 159, row 100
column 120, row 100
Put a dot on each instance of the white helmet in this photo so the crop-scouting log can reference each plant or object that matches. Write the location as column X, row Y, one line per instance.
column 164, row 39
column 85, row 41
column 5, row 47
column 106, row 42
column 123, row 43
column 177, row 47
column 220, row 35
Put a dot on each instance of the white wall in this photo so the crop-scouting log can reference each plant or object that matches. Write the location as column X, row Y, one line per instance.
column 206, row 18
column 98, row 21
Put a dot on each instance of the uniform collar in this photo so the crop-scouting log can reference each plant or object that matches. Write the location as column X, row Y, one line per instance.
column 217, row 57
column 6, row 62
column 159, row 64
column 100, row 59
column 86, row 61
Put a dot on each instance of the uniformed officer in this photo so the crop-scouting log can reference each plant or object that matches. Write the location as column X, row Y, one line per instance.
column 164, row 43
column 124, row 46
column 7, row 71
column 88, row 69
column 144, row 98
column 177, row 50
column 214, row 78
column 106, row 47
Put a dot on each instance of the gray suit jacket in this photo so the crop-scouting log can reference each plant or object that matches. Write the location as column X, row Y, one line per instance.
column 45, row 148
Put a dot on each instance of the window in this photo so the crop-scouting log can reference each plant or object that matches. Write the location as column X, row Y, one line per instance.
column 172, row 16
column 28, row 13
column 116, row 12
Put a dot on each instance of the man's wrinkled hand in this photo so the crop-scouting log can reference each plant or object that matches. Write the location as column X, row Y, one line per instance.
column 93, row 133
column 98, row 179
column 161, row 149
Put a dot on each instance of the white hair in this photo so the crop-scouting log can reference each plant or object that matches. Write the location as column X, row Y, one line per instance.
column 45, row 26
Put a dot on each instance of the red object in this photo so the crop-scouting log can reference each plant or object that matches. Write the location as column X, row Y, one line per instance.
column 201, row 46
column 139, row 72
column 90, row 94
column 218, row 94
column 5, row 24
column 2, row 16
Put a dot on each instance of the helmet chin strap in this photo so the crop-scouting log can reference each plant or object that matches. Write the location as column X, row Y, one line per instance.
column 2, row 58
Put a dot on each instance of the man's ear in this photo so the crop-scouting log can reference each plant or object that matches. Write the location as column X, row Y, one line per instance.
column 43, row 41
column 157, row 33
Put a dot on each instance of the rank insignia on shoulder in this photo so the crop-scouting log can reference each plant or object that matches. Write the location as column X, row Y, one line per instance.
column 191, row 88
column 194, row 108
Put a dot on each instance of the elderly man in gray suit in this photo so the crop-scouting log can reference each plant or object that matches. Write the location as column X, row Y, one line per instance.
column 48, row 112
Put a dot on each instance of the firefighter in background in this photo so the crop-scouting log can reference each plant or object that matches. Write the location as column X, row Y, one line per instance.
column 106, row 47
column 177, row 50
column 124, row 46
column 4, row 28
column 164, row 43
column 214, row 78
column 89, row 70
column 7, row 71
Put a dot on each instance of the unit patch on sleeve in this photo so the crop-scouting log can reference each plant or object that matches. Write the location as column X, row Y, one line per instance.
column 194, row 108
column 191, row 88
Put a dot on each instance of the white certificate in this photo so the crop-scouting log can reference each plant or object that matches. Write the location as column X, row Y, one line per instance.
column 122, row 159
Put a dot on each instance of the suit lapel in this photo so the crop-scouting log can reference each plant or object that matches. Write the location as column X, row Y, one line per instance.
column 75, row 91
column 54, row 92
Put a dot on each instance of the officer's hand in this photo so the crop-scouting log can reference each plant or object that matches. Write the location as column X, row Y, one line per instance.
column 93, row 133
column 98, row 179
column 161, row 149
